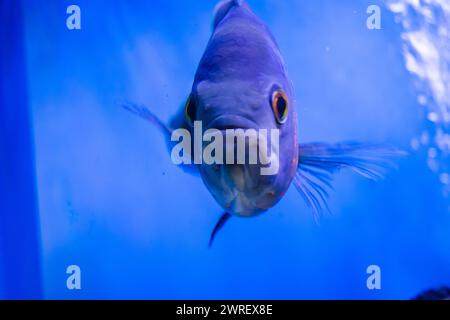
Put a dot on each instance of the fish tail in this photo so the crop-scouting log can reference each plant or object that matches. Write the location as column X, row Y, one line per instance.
column 222, row 9
column 319, row 161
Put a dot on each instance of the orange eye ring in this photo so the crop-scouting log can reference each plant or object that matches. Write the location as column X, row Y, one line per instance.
column 189, row 110
column 280, row 106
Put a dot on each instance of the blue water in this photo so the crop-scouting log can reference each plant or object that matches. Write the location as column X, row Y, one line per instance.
column 112, row 202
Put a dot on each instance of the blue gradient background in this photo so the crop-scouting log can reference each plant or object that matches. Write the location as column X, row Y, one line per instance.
column 111, row 201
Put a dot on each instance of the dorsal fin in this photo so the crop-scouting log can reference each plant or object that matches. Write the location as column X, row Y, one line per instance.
column 222, row 8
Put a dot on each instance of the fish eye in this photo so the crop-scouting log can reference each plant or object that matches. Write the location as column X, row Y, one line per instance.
column 190, row 110
column 280, row 106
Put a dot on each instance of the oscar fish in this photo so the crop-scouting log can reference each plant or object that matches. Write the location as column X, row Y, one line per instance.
column 242, row 83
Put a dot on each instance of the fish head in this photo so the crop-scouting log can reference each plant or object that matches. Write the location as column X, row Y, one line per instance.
column 261, row 118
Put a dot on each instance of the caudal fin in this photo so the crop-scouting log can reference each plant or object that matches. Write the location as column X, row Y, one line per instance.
column 318, row 162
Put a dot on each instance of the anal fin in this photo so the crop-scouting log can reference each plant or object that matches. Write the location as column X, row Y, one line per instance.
column 223, row 219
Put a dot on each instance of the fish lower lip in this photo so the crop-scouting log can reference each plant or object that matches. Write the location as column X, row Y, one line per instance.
column 228, row 127
column 232, row 122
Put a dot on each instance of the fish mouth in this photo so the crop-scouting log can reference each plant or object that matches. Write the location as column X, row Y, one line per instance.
column 226, row 122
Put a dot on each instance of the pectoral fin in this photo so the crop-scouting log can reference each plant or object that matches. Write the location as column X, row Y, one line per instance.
column 146, row 114
column 318, row 162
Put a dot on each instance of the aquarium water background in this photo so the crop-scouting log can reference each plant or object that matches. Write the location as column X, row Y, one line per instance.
column 110, row 200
